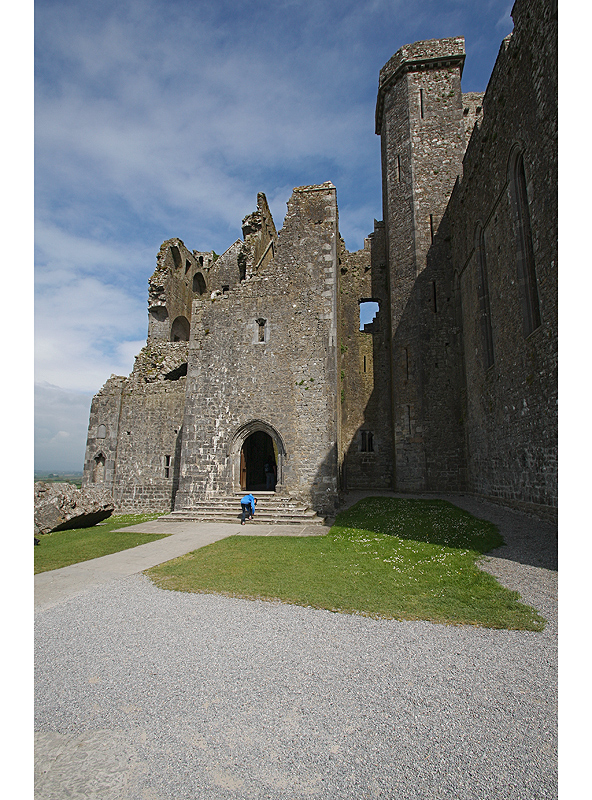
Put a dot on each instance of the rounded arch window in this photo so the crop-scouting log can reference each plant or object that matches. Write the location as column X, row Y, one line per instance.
column 199, row 283
column 101, row 432
column 180, row 330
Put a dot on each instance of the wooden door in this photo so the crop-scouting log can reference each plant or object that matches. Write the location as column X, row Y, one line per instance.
column 243, row 470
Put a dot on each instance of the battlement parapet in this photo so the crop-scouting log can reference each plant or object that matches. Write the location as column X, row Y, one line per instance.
column 424, row 55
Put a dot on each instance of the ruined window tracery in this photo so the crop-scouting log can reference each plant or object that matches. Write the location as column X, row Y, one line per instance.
column 527, row 280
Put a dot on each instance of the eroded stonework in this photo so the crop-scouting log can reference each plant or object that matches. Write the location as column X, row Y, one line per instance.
column 257, row 356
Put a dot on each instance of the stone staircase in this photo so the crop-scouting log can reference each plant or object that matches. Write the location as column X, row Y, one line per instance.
column 271, row 510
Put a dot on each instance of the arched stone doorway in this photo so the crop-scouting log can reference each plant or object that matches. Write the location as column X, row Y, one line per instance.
column 256, row 452
column 254, row 445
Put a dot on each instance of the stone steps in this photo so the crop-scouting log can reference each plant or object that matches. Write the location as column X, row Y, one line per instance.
column 271, row 510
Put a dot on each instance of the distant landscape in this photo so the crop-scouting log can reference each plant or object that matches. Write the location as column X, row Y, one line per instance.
column 60, row 477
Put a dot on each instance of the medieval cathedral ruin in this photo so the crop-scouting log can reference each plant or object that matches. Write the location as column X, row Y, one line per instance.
column 258, row 356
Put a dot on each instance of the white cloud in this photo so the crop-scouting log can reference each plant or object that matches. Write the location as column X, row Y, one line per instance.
column 81, row 330
column 60, row 428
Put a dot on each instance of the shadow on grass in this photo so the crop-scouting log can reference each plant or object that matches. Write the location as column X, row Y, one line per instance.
column 432, row 521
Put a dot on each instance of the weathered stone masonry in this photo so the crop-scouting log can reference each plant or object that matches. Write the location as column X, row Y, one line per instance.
column 257, row 355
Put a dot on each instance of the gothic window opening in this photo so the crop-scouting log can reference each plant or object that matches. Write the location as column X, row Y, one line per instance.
column 99, row 469
column 199, row 283
column 527, row 281
column 176, row 256
column 484, row 306
column 159, row 313
column 180, row 330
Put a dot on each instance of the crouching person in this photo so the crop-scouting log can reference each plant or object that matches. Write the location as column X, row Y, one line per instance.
column 248, row 504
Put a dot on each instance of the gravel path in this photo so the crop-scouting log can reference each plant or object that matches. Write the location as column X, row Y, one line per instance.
column 143, row 694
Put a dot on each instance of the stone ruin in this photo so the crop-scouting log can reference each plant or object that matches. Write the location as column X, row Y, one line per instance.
column 259, row 355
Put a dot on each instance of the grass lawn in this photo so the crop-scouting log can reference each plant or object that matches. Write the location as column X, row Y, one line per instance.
column 384, row 557
column 62, row 548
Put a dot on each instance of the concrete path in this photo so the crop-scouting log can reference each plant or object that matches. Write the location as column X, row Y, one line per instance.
column 58, row 585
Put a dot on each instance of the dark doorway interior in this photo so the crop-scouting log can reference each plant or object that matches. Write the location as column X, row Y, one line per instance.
column 256, row 451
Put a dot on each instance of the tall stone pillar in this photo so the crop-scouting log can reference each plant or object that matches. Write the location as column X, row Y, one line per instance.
column 419, row 117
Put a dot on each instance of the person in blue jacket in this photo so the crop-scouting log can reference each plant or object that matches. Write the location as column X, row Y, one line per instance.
column 248, row 507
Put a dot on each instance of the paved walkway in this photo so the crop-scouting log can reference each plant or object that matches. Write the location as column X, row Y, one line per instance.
column 57, row 585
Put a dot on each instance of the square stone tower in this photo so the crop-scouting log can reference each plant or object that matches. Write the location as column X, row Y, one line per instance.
column 419, row 117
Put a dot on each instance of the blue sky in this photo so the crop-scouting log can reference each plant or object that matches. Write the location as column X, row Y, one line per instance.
column 159, row 119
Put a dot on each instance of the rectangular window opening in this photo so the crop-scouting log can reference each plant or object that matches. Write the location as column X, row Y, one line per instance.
column 399, row 168
column 434, row 297
column 261, row 323
column 432, row 227
column 421, row 102
column 364, row 363
column 167, row 466
column 367, row 442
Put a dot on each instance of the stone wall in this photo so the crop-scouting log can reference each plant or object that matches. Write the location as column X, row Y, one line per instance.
column 103, row 432
column 143, row 417
column 511, row 403
column 366, row 427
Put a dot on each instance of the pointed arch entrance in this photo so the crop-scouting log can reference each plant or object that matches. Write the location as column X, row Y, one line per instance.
column 257, row 453
column 255, row 445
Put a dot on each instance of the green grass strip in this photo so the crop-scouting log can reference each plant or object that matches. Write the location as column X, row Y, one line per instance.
column 384, row 557
column 62, row 548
